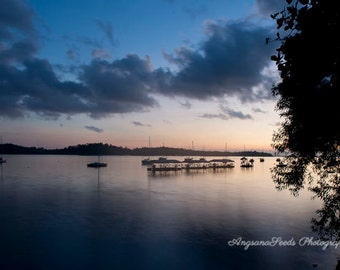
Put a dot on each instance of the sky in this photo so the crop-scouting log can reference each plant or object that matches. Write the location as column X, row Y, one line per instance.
column 177, row 73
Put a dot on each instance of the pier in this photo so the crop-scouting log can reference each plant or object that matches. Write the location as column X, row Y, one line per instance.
column 189, row 164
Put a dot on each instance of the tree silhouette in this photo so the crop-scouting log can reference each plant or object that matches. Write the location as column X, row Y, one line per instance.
column 308, row 92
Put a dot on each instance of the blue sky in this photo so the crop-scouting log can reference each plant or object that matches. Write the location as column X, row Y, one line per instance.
column 179, row 72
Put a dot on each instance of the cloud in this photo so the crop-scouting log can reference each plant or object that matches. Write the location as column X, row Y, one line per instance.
column 139, row 124
column 95, row 129
column 258, row 110
column 15, row 14
column 234, row 114
column 36, row 88
column 120, row 86
column 18, row 39
column 104, row 89
column 238, row 114
column 213, row 115
column 227, row 114
column 228, row 63
column 186, row 104
column 107, row 29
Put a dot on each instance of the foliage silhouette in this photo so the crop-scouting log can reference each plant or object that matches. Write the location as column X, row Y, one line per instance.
column 308, row 92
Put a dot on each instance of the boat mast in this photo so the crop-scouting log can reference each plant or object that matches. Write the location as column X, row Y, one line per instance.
column 1, row 148
column 98, row 153
column 1, row 158
column 149, row 146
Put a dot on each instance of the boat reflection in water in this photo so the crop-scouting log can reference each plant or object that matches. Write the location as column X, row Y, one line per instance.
column 125, row 217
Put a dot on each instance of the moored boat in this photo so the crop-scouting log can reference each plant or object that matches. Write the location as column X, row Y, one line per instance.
column 245, row 163
column 222, row 163
column 97, row 164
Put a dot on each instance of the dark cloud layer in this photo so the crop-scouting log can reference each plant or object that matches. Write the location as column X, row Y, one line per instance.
column 120, row 86
column 35, row 87
column 18, row 40
column 15, row 14
column 228, row 63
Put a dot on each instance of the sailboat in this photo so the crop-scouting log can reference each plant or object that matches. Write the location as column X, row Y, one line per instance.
column 147, row 161
column 1, row 158
column 97, row 164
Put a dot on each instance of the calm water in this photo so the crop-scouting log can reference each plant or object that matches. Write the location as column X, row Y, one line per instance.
column 55, row 213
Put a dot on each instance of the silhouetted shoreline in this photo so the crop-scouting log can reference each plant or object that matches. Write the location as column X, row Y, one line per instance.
column 108, row 149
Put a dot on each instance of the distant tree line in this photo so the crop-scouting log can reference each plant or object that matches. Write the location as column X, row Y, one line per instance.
column 108, row 149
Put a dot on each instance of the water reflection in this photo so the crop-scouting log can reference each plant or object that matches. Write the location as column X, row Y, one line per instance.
column 123, row 217
column 176, row 173
column 1, row 173
column 323, row 179
column 98, row 177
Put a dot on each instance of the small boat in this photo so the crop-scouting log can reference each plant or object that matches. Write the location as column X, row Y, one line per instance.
column 222, row 163
column 96, row 164
column 146, row 161
column 246, row 164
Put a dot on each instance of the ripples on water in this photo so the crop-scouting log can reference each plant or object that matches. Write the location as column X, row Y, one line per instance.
column 58, row 214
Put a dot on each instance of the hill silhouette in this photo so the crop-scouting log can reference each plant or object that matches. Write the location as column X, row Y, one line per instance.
column 108, row 149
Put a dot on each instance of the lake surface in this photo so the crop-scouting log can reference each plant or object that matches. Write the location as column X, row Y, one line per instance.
column 56, row 213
